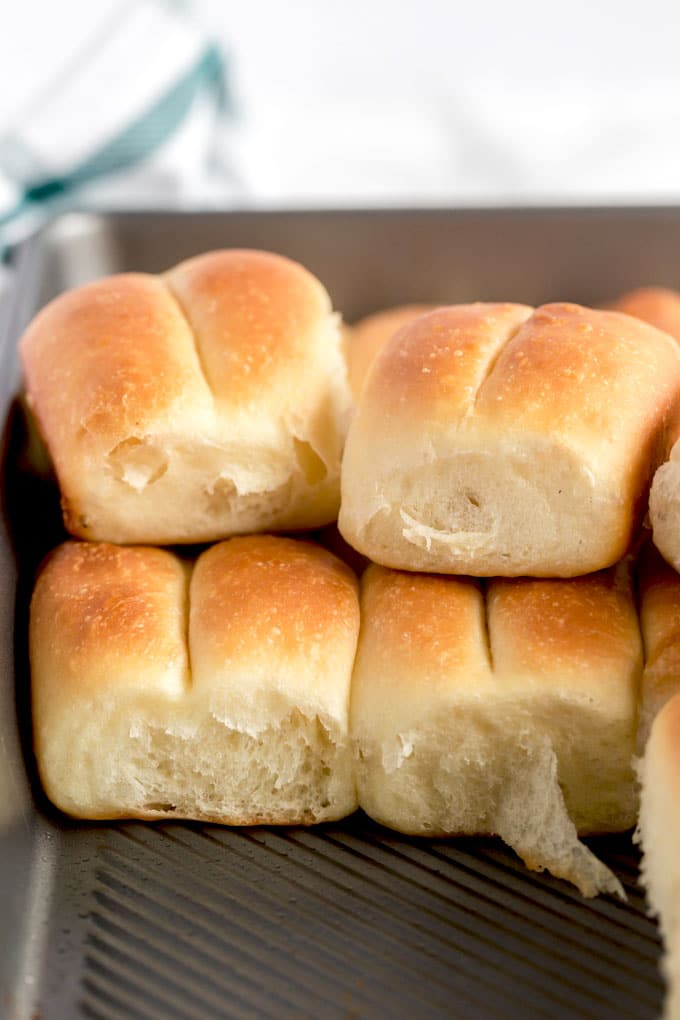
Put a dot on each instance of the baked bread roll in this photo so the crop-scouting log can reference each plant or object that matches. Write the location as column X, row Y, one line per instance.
column 493, row 440
column 183, row 408
column 661, row 307
column 664, row 504
column 509, row 711
column 657, row 305
column 659, row 767
column 659, row 833
column 218, row 692
column 659, row 587
column 367, row 338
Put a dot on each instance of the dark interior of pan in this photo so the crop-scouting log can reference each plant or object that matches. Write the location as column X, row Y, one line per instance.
column 155, row 922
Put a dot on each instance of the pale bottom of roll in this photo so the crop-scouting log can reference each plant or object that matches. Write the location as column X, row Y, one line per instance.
column 505, row 779
column 659, row 833
column 123, row 760
column 664, row 509
column 532, row 818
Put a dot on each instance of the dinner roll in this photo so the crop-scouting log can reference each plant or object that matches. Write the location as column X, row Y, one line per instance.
column 659, row 768
column 367, row 338
column 664, row 504
column 508, row 710
column 218, row 692
column 493, row 440
column 657, row 305
column 187, row 407
column 661, row 307
column 659, row 832
column 659, row 587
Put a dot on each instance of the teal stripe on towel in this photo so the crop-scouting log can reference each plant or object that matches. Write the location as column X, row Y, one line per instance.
column 139, row 139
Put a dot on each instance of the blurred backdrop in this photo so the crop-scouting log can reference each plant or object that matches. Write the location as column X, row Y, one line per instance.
column 351, row 103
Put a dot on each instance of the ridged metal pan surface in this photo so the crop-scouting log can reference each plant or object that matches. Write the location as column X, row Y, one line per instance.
column 195, row 922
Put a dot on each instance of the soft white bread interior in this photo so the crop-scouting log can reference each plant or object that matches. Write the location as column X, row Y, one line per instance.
column 207, row 402
column 659, row 765
column 659, row 833
column 366, row 339
column 510, row 711
column 218, row 692
column 664, row 504
column 659, row 599
column 493, row 440
column 659, row 306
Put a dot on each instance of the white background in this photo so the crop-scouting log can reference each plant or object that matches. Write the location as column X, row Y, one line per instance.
column 417, row 101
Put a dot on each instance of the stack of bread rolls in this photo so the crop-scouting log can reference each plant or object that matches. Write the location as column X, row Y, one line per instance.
column 493, row 671
column 659, row 717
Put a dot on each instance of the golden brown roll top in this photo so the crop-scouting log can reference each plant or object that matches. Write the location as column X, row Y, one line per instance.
column 578, row 633
column 280, row 613
column 227, row 702
column 255, row 318
column 106, row 359
column 107, row 619
column 188, row 407
column 490, row 440
column 367, row 338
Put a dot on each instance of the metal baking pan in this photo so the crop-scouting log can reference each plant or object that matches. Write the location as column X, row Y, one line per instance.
column 172, row 921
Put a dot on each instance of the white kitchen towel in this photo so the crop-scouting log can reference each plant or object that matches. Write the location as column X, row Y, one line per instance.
column 135, row 121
